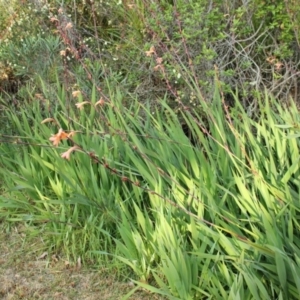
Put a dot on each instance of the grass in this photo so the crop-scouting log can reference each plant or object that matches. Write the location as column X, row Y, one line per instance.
column 26, row 272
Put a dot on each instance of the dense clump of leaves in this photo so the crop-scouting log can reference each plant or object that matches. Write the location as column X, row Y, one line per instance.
column 212, row 216
column 254, row 45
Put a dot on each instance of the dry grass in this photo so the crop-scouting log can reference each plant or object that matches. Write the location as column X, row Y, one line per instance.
column 26, row 275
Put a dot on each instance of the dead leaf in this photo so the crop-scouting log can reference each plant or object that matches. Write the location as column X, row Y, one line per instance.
column 67, row 264
column 271, row 59
column 76, row 93
column 48, row 120
column 151, row 51
column 157, row 67
column 42, row 256
column 79, row 263
column 278, row 65
column 54, row 258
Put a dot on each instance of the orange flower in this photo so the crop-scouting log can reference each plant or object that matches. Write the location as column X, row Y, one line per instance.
column 159, row 60
column 66, row 155
column 53, row 19
column 76, row 93
column 101, row 102
column 61, row 135
column 81, row 104
column 69, row 25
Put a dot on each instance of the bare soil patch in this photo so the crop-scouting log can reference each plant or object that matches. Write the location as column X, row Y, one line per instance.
column 24, row 274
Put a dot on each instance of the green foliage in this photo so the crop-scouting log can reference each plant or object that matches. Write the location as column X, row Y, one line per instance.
column 28, row 49
column 278, row 20
column 33, row 55
column 155, row 164
column 247, row 42
column 217, row 218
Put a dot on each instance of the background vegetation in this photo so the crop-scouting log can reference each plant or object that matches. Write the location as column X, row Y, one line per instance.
column 158, row 137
